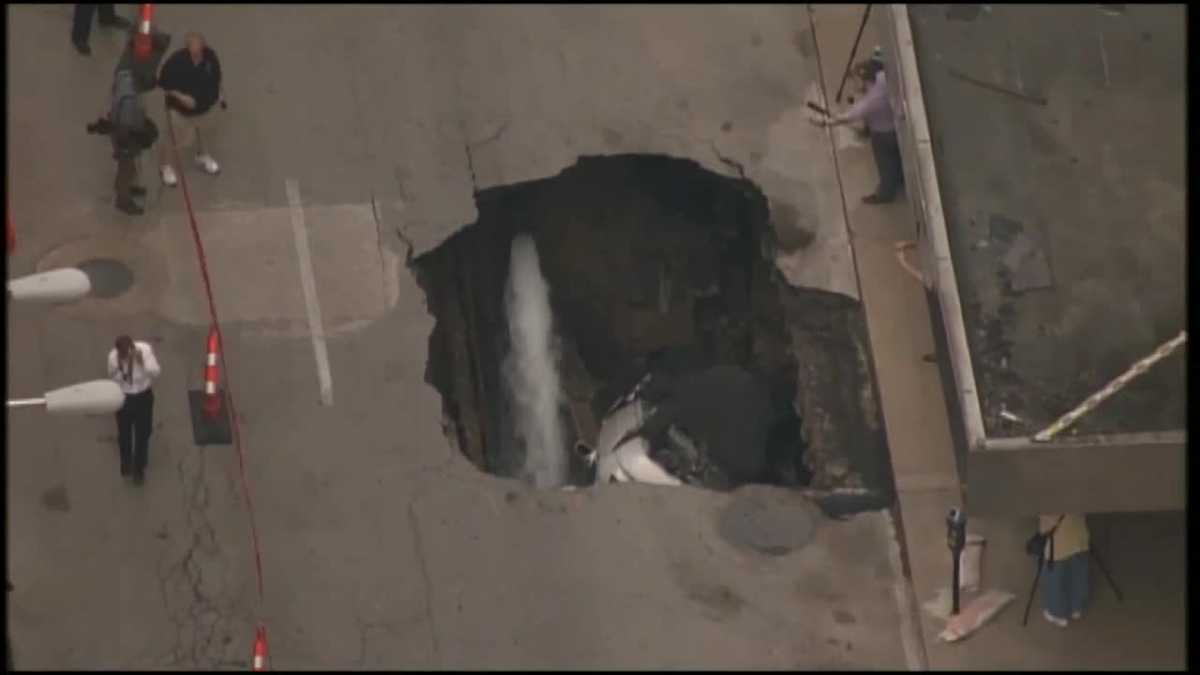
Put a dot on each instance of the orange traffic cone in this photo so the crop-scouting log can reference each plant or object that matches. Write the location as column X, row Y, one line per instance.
column 212, row 396
column 260, row 648
column 143, row 46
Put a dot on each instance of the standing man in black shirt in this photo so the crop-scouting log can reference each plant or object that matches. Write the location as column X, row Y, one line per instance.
column 191, row 79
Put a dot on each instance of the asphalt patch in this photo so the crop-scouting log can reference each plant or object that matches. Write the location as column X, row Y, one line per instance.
column 109, row 278
column 56, row 499
column 773, row 527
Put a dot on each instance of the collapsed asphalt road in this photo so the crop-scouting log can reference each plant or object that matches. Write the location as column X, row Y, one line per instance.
column 657, row 266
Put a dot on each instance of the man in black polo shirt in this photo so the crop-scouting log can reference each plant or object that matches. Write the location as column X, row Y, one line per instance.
column 191, row 79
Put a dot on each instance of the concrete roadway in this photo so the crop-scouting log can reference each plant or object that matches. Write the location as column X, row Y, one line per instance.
column 382, row 546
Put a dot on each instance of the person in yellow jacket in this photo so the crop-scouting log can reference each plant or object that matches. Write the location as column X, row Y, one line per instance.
column 1065, row 575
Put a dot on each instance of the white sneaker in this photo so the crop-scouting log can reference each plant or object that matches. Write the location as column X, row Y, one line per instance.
column 168, row 176
column 1061, row 623
column 207, row 163
column 1076, row 615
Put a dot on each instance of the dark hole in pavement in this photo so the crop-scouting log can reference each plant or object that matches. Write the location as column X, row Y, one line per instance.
column 653, row 265
column 109, row 278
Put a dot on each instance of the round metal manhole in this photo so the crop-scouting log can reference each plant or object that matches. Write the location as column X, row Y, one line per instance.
column 767, row 524
column 109, row 278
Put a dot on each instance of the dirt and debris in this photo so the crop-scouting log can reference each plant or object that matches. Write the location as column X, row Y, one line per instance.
column 1014, row 400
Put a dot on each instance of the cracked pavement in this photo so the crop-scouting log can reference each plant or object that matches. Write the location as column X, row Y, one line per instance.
column 193, row 582
column 381, row 546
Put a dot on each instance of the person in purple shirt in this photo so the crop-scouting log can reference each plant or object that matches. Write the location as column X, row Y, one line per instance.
column 876, row 110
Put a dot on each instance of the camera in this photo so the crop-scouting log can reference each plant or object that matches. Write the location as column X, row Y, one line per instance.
column 102, row 126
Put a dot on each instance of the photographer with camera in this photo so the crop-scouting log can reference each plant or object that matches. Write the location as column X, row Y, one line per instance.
column 131, row 132
column 1065, row 540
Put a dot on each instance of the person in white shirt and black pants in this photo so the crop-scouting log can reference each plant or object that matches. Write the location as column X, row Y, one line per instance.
column 133, row 366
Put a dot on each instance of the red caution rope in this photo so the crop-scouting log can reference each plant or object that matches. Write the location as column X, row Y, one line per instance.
column 216, row 325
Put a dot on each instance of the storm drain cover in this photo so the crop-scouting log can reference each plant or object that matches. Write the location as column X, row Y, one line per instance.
column 109, row 278
column 770, row 524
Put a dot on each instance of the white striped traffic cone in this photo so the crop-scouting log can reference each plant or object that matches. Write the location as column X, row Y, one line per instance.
column 143, row 46
column 212, row 397
column 260, row 649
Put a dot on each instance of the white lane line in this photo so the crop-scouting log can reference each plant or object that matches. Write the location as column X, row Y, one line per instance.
column 316, row 327
column 1104, row 58
column 1017, row 68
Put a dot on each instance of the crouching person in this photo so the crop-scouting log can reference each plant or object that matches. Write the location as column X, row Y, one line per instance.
column 132, row 132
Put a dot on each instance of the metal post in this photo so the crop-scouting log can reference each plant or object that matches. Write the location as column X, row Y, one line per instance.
column 954, row 608
column 26, row 402
column 853, row 51
column 956, row 539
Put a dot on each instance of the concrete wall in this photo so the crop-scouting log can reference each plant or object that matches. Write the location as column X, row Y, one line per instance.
column 1130, row 472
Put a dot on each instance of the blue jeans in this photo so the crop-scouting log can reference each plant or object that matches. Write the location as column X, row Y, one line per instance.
column 1065, row 585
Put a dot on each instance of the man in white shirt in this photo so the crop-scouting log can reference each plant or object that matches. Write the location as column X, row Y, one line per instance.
column 133, row 366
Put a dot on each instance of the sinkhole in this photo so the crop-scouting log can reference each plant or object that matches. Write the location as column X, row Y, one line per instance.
column 570, row 291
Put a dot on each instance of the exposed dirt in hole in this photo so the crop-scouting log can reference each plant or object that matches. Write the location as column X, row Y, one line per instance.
column 654, row 264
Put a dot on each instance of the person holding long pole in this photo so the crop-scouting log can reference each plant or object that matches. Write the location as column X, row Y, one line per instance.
column 133, row 366
column 876, row 110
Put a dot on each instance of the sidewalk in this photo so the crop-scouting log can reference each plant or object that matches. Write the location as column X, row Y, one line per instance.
column 927, row 480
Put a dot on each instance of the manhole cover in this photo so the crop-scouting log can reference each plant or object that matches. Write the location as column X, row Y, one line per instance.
column 771, row 526
column 109, row 278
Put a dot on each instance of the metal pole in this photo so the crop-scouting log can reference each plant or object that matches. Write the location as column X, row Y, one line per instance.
column 1032, row 589
column 1104, row 570
column 26, row 402
column 853, row 51
column 8, row 638
column 957, row 562
column 956, row 537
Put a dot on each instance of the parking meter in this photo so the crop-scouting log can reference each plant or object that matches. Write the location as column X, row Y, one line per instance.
column 956, row 539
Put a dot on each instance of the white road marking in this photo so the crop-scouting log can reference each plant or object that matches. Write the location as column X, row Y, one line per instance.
column 1017, row 69
column 316, row 327
column 1104, row 58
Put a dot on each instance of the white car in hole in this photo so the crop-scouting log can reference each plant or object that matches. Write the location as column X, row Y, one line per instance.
column 709, row 427
column 628, row 462
column 721, row 456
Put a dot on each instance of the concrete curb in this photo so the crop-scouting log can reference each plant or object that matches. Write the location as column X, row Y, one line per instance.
column 933, row 241
column 906, row 603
